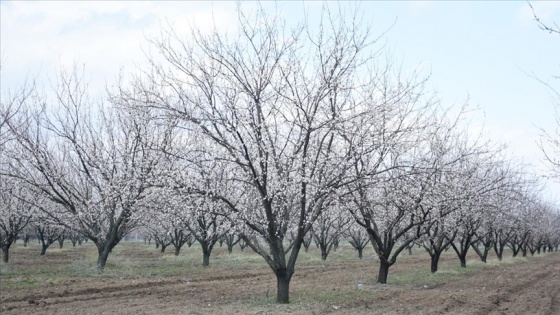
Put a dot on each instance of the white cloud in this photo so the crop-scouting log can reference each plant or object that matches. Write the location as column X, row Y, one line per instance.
column 105, row 36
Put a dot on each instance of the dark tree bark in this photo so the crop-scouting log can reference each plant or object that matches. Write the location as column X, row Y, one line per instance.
column 307, row 240
column 231, row 240
column 242, row 245
column 436, row 245
column 43, row 249
column 6, row 253
column 47, row 235
column 499, row 250
column 462, row 245
column 283, row 278
column 60, row 240
column 517, row 243
column 324, row 238
column 26, row 237
column 178, row 238
column 487, row 242
column 359, row 240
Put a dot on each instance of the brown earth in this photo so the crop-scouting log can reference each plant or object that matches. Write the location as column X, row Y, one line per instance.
column 64, row 283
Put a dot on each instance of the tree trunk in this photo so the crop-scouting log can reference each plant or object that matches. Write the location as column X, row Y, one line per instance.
column 230, row 248
column 483, row 254
column 5, row 253
column 515, row 250
column 163, row 247
column 102, row 259
column 177, row 250
column 60, row 243
column 283, row 286
column 410, row 250
column 44, row 249
column 383, row 272
column 462, row 251
column 499, row 250
column 435, row 262
column 206, row 258
column 324, row 252
column 463, row 260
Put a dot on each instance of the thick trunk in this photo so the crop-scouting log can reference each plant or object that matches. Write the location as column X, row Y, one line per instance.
column 206, row 258
column 435, row 262
column 324, row 251
column 230, row 248
column 462, row 251
column 60, row 243
column 463, row 260
column 163, row 247
column 383, row 272
column 283, row 286
column 410, row 250
column 515, row 250
column 177, row 250
column 44, row 249
column 102, row 259
column 484, row 253
column 207, row 247
column 360, row 250
column 499, row 250
column 5, row 253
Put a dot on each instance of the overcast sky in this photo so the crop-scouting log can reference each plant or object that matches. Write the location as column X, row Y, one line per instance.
column 489, row 51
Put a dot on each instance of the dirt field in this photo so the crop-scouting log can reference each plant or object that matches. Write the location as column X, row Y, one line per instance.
column 141, row 280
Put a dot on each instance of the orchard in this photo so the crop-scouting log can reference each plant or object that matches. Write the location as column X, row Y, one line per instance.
column 267, row 137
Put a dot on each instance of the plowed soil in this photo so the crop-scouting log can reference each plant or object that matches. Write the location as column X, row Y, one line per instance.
column 143, row 281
